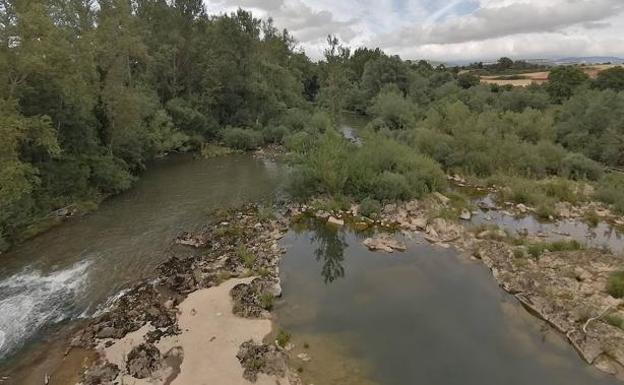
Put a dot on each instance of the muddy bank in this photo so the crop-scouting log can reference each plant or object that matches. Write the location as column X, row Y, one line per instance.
column 567, row 288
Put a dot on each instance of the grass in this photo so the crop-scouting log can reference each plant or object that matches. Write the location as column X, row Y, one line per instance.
column 537, row 249
column 614, row 320
column 615, row 284
column 591, row 218
column 283, row 338
column 246, row 257
column 211, row 150
column 267, row 301
column 541, row 194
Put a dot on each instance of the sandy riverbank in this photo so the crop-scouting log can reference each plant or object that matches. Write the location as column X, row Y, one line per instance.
column 206, row 349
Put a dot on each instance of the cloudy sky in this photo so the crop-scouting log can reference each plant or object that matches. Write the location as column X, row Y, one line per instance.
column 449, row 30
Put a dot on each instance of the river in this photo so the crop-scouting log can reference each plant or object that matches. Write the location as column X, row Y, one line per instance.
column 425, row 316
column 73, row 269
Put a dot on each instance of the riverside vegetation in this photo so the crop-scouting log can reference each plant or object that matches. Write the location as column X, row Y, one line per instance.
column 90, row 92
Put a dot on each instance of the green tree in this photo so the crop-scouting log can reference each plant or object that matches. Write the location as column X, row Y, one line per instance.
column 563, row 82
column 612, row 78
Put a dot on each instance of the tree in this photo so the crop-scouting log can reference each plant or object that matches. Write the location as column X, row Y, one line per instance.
column 505, row 63
column 467, row 80
column 612, row 78
column 563, row 81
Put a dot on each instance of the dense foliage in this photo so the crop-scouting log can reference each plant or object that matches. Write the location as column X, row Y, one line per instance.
column 90, row 91
column 425, row 119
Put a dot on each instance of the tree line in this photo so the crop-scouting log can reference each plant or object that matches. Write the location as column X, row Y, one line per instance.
column 92, row 90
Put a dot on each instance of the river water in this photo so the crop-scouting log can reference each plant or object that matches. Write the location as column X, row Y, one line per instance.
column 426, row 316
column 73, row 269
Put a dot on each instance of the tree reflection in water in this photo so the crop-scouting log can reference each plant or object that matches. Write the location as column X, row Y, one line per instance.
column 330, row 243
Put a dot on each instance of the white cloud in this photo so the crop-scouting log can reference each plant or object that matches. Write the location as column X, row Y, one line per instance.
column 450, row 30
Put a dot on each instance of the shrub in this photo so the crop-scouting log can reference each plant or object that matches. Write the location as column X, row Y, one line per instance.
column 614, row 320
column 246, row 257
column 592, row 218
column 577, row 166
column 242, row 139
column 110, row 174
column 266, row 301
column 467, row 80
column 391, row 186
column 283, row 338
column 275, row 134
column 370, row 208
column 611, row 190
column 615, row 284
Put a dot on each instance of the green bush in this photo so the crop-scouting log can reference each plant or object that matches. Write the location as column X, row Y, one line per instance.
column 390, row 186
column 242, row 139
column 267, row 300
column 615, row 284
column 370, row 208
column 611, row 190
column 577, row 166
column 110, row 175
column 283, row 338
column 381, row 168
column 275, row 134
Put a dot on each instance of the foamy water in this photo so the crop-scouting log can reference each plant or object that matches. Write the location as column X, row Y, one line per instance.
column 31, row 299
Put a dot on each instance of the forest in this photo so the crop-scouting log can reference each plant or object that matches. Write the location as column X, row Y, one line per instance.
column 91, row 91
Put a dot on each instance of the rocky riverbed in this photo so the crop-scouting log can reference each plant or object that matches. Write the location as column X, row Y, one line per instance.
column 566, row 288
column 214, row 304
column 217, row 301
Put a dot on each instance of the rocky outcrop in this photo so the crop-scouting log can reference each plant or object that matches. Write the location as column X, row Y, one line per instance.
column 155, row 301
column 143, row 360
column 262, row 358
column 100, row 373
column 567, row 290
column 385, row 243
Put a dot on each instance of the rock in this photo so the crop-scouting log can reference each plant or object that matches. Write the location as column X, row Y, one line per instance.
column 522, row 208
column 384, row 242
column 606, row 365
column 261, row 358
column 420, row 223
column 335, row 221
column 169, row 304
column 194, row 240
column 322, row 215
column 108, row 332
column 103, row 373
column 465, row 215
column 304, row 357
column 441, row 198
column 143, row 360
column 276, row 289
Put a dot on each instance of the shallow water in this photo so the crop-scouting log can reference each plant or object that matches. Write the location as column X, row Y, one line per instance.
column 602, row 236
column 72, row 269
column 426, row 316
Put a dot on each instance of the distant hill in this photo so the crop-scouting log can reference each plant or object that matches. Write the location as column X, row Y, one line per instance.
column 552, row 61
column 589, row 60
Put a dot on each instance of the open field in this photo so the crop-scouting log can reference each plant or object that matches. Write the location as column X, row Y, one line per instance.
column 527, row 79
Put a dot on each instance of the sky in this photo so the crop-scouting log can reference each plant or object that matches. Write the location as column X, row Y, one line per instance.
column 449, row 30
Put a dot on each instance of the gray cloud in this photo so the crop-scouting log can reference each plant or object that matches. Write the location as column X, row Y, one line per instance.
column 516, row 18
column 450, row 29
